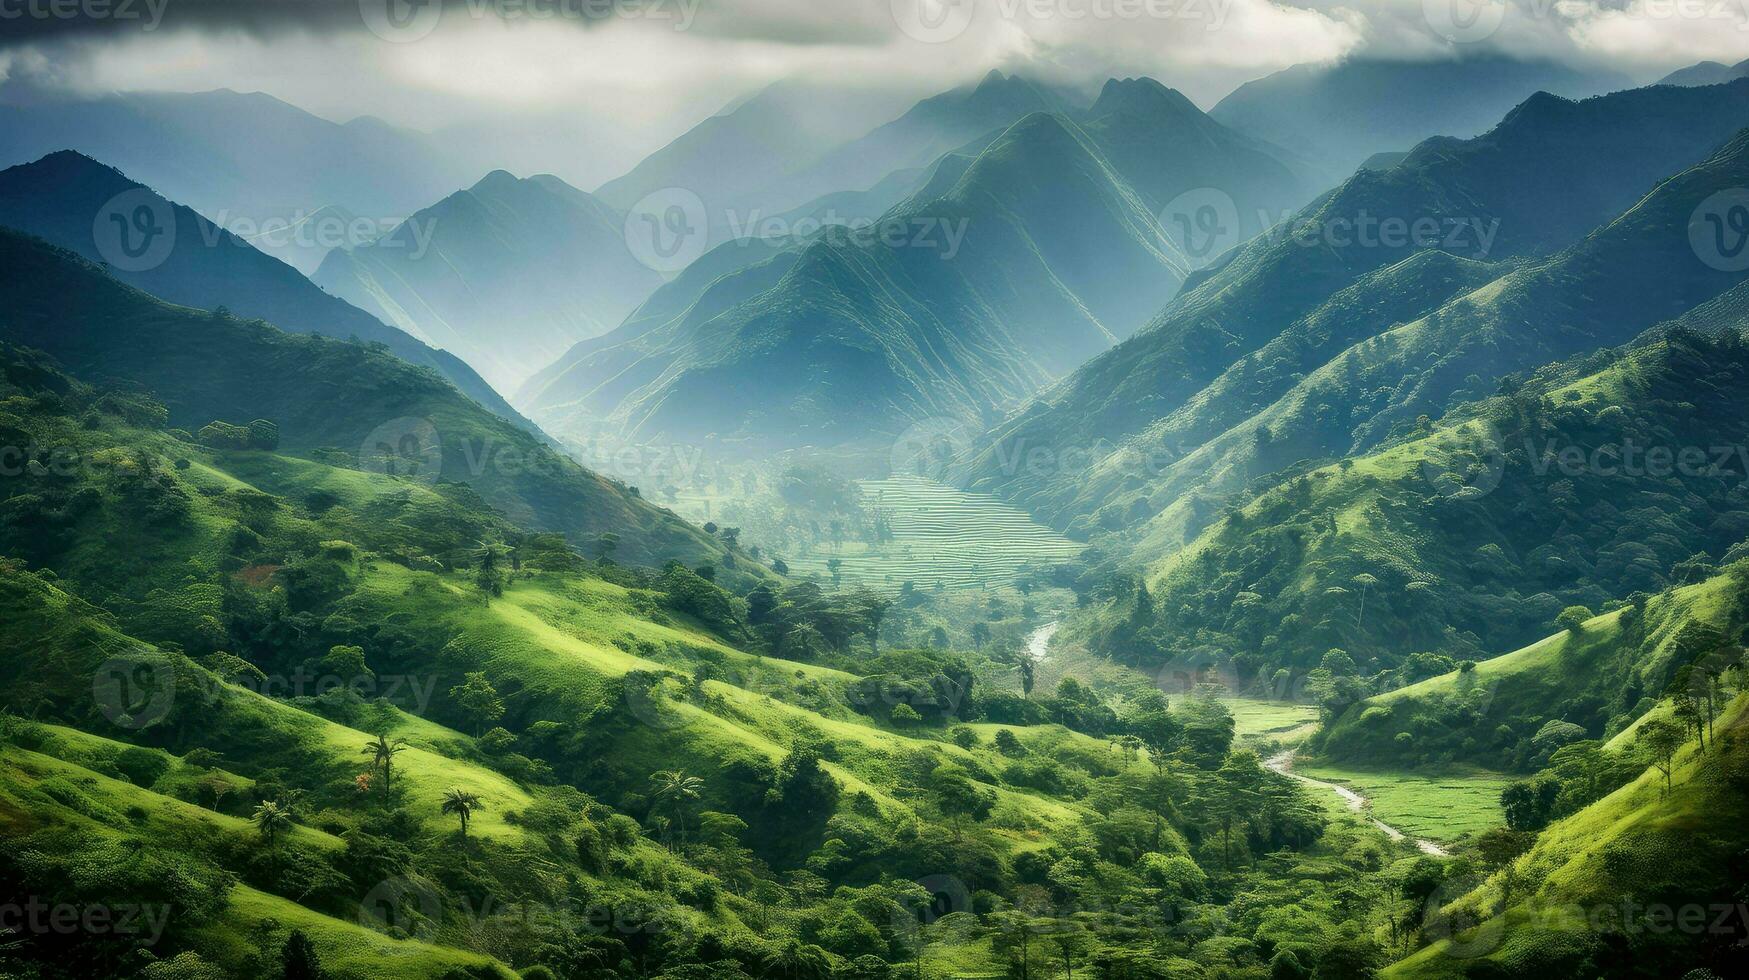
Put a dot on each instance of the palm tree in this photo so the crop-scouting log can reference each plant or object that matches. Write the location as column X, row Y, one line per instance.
column 271, row 820
column 463, row 804
column 382, row 751
column 678, row 790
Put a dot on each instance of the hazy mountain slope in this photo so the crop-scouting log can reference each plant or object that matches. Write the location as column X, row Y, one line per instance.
column 1338, row 115
column 1066, row 245
column 1154, row 470
column 61, row 197
column 732, row 159
column 371, row 409
column 1706, row 73
column 859, row 337
column 1169, row 148
column 935, row 126
column 241, row 157
column 1637, row 272
column 513, row 274
column 1548, row 174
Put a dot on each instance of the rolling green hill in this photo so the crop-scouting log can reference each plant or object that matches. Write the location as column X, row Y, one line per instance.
column 201, row 632
column 1470, row 538
column 1648, row 876
column 1601, row 679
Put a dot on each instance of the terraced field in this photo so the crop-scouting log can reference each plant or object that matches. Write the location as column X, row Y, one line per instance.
column 941, row 534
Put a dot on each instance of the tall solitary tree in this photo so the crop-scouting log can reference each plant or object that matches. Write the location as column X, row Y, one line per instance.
column 677, row 791
column 463, row 804
column 1663, row 740
column 382, row 751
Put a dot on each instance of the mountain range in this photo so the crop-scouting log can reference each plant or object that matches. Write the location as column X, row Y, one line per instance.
column 247, row 161
column 1548, row 174
column 325, row 398
column 1068, row 243
column 69, row 199
column 507, row 274
column 1337, row 115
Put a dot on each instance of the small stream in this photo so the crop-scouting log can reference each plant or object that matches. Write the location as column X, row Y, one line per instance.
column 1283, row 762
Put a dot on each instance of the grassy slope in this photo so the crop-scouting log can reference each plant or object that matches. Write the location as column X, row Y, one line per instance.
column 1591, row 678
column 38, row 790
column 1639, row 844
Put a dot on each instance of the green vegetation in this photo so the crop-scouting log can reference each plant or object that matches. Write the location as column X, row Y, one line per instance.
column 928, row 533
column 518, row 744
column 1445, row 808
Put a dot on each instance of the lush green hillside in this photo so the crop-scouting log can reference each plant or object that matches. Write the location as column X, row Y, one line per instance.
column 325, row 397
column 1473, row 537
column 508, row 273
column 208, row 641
column 1637, row 271
column 60, row 197
column 1646, row 881
column 1516, row 710
column 1541, row 180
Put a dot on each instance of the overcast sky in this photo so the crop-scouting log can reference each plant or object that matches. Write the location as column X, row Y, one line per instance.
column 635, row 72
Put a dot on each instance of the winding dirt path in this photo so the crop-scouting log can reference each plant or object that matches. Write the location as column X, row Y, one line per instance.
column 1283, row 763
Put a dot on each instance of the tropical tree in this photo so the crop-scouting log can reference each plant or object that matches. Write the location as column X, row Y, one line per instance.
column 271, row 820
column 478, row 700
column 382, row 751
column 678, row 791
column 463, row 804
column 1663, row 740
column 794, row 960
